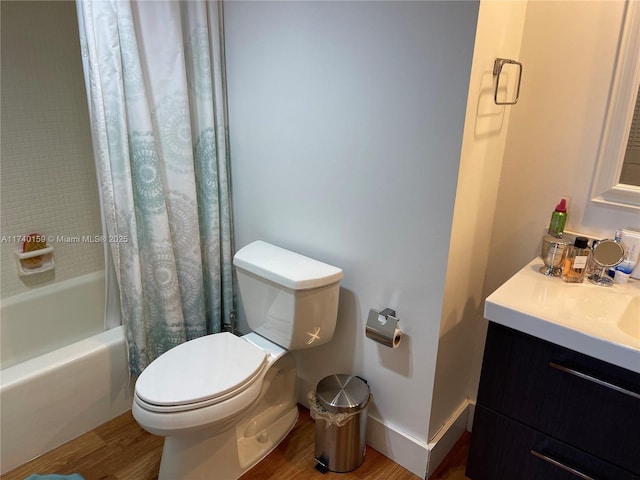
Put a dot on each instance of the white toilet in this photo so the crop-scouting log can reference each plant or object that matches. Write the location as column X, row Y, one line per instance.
column 224, row 402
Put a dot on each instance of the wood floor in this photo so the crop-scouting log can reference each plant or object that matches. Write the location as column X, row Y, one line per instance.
column 121, row 450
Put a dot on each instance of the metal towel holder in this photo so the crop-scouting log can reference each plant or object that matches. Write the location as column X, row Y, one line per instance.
column 497, row 70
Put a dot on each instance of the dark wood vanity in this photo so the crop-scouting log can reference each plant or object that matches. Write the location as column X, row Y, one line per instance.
column 545, row 412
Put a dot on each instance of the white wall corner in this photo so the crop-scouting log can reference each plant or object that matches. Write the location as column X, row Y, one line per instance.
column 445, row 438
column 409, row 452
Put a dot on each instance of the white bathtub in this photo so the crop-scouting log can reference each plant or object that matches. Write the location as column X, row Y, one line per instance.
column 62, row 375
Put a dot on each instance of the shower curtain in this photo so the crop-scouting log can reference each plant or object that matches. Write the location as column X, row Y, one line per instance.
column 157, row 107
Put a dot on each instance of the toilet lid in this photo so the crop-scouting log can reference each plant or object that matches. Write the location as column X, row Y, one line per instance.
column 200, row 370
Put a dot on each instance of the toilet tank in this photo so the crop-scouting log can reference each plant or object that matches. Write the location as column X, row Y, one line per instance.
column 288, row 298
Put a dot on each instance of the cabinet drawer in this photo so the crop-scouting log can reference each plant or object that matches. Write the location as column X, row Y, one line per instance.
column 572, row 397
column 503, row 449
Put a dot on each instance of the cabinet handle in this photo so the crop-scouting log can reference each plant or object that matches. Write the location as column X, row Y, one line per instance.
column 594, row 380
column 561, row 465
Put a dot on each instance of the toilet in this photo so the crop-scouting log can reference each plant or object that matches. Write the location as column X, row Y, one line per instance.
column 223, row 402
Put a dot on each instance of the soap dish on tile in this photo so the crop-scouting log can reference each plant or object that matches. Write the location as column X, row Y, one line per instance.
column 36, row 261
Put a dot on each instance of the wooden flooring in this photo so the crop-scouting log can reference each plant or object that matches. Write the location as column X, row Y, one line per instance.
column 118, row 449
column 121, row 450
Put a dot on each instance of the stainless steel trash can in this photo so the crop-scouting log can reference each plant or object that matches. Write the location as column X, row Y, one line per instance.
column 340, row 406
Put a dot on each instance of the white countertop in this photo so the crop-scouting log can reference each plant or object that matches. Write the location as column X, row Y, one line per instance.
column 602, row 322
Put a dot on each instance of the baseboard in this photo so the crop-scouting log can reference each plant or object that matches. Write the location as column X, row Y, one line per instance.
column 447, row 436
column 403, row 449
column 472, row 412
column 418, row 457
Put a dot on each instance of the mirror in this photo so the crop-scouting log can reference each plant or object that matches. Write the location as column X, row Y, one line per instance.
column 630, row 174
column 608, row 186
column 606, row 254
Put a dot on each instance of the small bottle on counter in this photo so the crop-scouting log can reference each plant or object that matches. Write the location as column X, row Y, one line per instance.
column 576, row 259
column 618, row 239
column 558, row 219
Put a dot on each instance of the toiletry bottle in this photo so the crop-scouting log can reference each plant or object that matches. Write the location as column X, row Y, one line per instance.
column 576, row 258
column 618, row 239
column 630, row 241
column 558, row 219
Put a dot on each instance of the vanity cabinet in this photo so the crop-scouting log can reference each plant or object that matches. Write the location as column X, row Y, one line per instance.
column 546, row 412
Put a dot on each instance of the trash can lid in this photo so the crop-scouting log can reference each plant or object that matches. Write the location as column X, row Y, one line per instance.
column 341, row 393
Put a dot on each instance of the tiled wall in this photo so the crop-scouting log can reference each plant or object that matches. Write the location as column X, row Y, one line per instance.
column 47, row 177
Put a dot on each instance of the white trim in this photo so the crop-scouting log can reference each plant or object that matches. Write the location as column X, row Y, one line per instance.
column 447, row 436
column 624, row 89
column 415, row 455
column 471, row 415
column 406, row 451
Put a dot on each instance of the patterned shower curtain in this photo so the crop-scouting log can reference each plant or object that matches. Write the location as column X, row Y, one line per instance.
column 156, row 99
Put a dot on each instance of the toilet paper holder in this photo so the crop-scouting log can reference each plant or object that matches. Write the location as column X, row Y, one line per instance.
column 389, row 315
column 382, row 327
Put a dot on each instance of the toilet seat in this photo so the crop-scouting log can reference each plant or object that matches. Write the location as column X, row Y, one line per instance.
column 199, row 373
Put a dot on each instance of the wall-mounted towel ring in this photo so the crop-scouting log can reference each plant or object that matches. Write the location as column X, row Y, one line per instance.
column 497, row 70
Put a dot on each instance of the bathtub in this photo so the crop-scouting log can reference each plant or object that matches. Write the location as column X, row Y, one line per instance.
column 62, row 374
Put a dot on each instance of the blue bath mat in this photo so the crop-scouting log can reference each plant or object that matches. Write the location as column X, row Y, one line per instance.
column 73, row 476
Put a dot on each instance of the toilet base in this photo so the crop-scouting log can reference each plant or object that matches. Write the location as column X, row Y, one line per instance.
column 226, row 452
column 199, row 447
column 225, row 456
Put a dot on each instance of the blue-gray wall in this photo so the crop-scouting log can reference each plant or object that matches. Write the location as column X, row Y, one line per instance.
column 346, row 124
